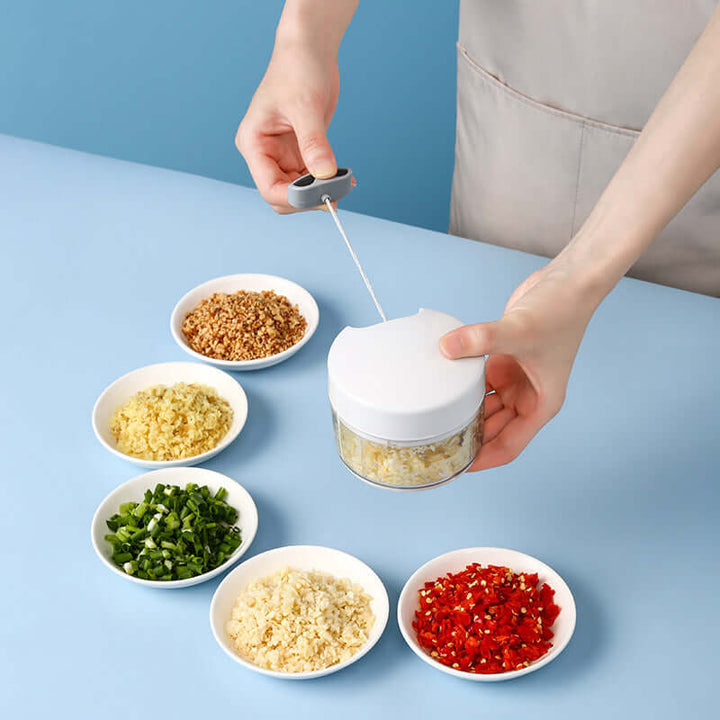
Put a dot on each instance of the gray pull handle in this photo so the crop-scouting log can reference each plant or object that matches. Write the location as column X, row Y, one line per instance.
column 308, row 191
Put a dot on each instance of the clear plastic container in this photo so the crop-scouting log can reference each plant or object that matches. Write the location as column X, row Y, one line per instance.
column 414, row 465
column 404, row 416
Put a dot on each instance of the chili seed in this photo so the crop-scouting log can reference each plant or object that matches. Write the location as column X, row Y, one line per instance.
column 438, row 624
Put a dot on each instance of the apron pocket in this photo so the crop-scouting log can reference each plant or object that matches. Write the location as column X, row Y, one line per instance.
column 516, row 166
column 528, row 174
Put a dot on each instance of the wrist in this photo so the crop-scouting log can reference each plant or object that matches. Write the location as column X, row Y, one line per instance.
column 302, row 39
column 605, row 248
column 315, row 25
column 588, row 275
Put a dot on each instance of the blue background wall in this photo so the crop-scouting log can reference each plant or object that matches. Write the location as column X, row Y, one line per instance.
column 166, row 82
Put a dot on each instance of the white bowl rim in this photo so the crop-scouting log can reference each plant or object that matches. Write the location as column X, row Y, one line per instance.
column 257, row 362
column 569, row 609
column 383, row 600
column 247, row 532
column 179, row 462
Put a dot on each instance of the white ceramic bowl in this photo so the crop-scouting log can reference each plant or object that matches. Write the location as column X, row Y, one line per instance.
column 169, row 374
column 458, row 560
column 306, row 558
column 257, row 283
column 134, row 489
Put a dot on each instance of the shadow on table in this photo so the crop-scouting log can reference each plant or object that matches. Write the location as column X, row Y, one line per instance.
column 257, row 435
column 272, row 525
column 332, row 322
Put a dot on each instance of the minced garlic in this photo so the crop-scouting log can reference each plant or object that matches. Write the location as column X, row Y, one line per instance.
column 295, row 621
column 406, row 464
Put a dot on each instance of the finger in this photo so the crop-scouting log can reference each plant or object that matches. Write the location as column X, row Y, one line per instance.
column 493, row 403
column 285, row 209
column 289, row 209
column 474, row 340
column 271, row 180
column 507, row 445
column 494, row 425
column 314, row 147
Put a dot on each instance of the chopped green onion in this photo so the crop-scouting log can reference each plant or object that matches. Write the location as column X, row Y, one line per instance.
column 174, row 534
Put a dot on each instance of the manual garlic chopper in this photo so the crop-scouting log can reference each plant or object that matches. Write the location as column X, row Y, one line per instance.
column 404, row 416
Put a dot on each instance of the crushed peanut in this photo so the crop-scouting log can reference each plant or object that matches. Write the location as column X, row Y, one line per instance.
column 244, row 325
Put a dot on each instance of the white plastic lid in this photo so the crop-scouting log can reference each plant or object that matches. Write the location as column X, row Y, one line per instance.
column 390, row 380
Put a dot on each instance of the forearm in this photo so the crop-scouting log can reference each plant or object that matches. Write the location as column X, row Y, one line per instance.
column 677, row 151
column 322, row 23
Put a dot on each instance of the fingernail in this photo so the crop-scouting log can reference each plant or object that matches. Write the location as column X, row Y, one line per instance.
column 323, row 171
column 452, row 346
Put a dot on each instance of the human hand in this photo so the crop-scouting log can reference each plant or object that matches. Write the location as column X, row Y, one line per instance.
column 533, row 346
column 284, row 132
column 531, row 351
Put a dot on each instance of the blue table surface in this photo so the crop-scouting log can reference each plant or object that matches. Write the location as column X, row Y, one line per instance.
column 619, row 493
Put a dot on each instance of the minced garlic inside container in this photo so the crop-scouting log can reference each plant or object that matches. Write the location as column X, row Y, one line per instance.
column 169, row 423
column 295, row 621
column 406, row 464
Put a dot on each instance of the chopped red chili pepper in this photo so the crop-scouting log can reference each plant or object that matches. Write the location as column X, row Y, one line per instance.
column 486, row 620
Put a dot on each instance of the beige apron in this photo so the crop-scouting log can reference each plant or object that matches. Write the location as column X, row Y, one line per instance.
column 551, row 96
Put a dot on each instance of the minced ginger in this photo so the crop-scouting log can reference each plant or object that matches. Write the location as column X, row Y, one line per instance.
column 169, row 423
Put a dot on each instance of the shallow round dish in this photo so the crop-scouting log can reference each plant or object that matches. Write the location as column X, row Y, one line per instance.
column 133, row 491
column 457, row 560
column 256, row 283
column 306, row 558
column 169, row 374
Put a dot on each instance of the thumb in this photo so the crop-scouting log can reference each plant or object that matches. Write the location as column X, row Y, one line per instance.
column 473, row 340
column 314, row 147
